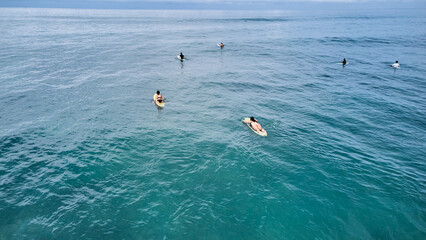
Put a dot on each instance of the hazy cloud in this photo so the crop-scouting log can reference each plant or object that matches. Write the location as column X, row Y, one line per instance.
column 251, row 1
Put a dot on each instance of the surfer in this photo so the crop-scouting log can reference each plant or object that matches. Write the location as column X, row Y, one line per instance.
column 222, row 45
column 254, row 124
column 181, row 56
column 344, row 61
column 160, row 97
column 396, row 64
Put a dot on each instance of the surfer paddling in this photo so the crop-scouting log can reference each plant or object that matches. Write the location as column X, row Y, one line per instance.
column 254, row 124
column 159, row 97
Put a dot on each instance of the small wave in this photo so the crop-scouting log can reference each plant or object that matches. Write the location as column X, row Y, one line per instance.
column 261, row 19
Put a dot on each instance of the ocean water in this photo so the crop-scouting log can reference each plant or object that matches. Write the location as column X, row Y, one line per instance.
column 85, row 154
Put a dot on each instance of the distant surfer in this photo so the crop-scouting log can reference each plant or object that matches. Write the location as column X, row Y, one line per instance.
column 159, row 97
column 395, row 65
column 181, row 56
column 344, row 61
column 254, row 124
column 222, row 45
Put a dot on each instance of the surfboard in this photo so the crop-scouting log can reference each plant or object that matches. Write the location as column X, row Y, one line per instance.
column 161, row 105
column 219, row 45
column 263, row 133
column 395, row 65
column 178, row 56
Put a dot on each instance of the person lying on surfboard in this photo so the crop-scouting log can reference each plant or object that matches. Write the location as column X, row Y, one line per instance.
column 160, row 97
column 254, row 124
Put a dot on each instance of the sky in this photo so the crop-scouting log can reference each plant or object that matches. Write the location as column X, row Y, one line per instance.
column 215, row 4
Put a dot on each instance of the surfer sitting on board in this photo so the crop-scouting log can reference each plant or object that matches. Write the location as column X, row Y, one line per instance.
column 344, row 61
column 254, row 124
column 222, row 45
column 395, row 65
column 160, row 97
column 181, row 56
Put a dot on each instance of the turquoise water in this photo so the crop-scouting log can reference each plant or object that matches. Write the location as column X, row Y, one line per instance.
column 85, row 154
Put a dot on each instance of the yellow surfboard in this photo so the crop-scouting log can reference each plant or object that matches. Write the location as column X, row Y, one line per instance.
column 161, row 105
column 262, row 133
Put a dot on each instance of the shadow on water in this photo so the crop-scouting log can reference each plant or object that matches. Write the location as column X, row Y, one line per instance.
column 158, row 107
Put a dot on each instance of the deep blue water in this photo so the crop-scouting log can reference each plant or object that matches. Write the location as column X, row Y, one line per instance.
column 85, row 154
